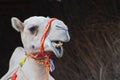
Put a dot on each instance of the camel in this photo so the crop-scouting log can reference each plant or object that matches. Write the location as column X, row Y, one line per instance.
column 32, row 31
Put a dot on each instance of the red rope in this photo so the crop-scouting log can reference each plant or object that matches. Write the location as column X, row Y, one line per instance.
column 44, row 36
column 14, row 76
column 47, row 60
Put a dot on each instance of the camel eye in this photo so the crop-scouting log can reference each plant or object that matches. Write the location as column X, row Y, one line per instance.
column 33, row 29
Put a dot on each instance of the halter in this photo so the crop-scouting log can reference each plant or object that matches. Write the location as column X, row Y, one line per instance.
column 46, row 55
column 42, row 53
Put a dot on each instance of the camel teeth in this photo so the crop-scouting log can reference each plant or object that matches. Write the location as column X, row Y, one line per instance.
column 59, row 44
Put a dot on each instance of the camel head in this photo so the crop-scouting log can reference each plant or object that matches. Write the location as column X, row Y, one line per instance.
column 32, row 29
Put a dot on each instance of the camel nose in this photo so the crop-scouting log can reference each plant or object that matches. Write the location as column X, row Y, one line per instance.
column 68, row 37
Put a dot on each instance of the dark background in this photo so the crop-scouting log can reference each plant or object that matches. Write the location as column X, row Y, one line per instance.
column 94, row 26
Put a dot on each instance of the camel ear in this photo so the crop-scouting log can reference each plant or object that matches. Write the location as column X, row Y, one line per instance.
column 17, row 24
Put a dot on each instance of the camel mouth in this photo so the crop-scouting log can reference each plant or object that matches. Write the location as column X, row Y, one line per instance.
column 57, row 44
column 57, row 48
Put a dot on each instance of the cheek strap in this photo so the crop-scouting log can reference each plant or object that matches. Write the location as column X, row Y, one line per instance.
column 47, row 28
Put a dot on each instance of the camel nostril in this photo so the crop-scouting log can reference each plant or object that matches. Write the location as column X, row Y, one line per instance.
column 33, row 46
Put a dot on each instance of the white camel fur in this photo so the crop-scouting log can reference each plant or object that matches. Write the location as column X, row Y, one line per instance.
column 31, row 31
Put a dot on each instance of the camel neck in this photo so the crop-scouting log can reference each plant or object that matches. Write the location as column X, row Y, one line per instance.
column 33, row 70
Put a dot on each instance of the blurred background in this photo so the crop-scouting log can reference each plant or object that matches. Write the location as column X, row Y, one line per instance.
column 94, row 26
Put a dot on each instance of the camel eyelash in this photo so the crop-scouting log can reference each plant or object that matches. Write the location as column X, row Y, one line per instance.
column 33, row 29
